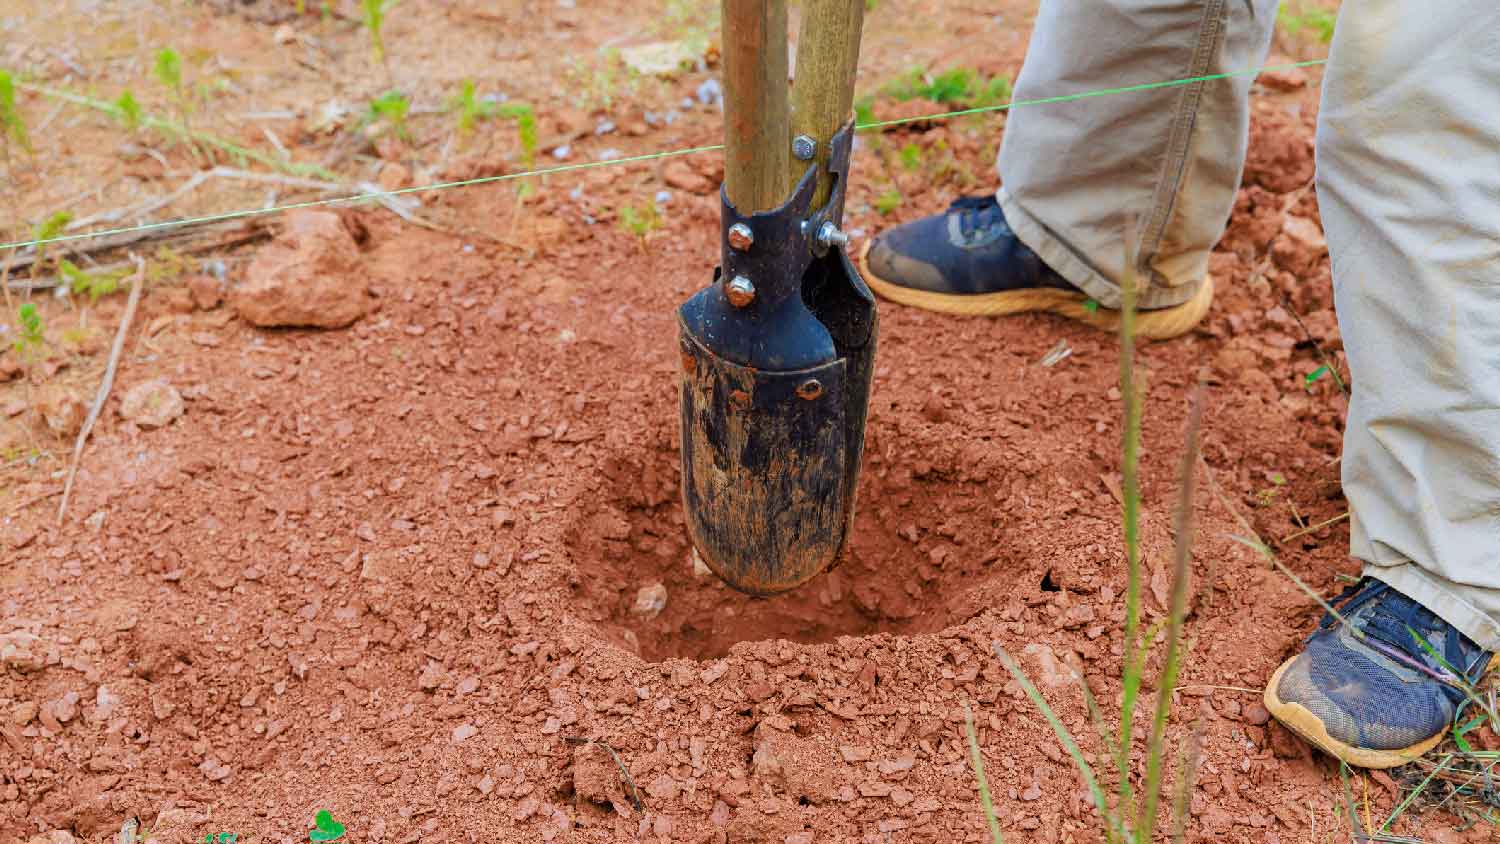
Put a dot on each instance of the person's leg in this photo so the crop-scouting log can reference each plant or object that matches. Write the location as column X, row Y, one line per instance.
column 1075, row 174
column 1409, row 190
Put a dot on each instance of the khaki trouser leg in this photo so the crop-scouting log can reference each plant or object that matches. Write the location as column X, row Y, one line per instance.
column 1166, row 161
column 1409, row 189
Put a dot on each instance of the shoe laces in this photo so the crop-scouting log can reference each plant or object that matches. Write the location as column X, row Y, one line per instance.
column 976, row 214
column 1388, row 628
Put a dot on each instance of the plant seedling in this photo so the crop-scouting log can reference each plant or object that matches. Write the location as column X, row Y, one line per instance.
column 468, row 109
column 373, row 12
column 129, row 111
column 640, row 222
column 95, row 284
column 391, row 107
column 325, row 828
column 911, row 157
column 525, row 119
column 888, row 202
column 12, row 127
column 30, row 341
column 168, row 70
column 45, row 231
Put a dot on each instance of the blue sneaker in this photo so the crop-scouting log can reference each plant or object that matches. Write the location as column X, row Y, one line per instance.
column 967, row 261
column 1375, row 698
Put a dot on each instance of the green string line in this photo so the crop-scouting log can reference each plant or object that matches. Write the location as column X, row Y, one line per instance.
column 654, row 156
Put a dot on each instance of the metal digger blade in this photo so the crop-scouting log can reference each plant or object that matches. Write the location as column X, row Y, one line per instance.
column 777, row 356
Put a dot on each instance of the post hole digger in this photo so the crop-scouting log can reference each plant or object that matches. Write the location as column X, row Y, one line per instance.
column 777, row 353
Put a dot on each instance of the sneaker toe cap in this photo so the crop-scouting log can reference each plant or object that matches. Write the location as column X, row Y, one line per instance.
column 1361, row 703
column 894, row 265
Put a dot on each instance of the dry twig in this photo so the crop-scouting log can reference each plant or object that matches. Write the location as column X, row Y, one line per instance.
column 105, row 385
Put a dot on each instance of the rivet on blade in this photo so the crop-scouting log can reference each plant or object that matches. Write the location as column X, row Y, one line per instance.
column 739, row 291
column 810, row 389
column 740, row 237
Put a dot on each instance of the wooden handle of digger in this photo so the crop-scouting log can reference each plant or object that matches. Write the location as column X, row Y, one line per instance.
column 757, row 145
column 823, row 93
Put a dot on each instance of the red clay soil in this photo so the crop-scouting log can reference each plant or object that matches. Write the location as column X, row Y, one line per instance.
column 392, row 571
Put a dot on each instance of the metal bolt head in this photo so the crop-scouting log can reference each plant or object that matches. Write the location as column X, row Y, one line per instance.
column 804, row 147
column 810, row 389
column 740, row 237
column 829, row 235
column 739, row 291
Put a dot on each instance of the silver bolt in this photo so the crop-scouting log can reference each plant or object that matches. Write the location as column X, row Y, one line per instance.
column 829, row 235
column 740, row 237
column 804, row 147
column 740, row 291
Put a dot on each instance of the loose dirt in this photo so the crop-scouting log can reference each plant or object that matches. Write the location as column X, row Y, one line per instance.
column 429, row 572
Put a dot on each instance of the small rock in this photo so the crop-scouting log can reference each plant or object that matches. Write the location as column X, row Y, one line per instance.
column 854, row 754
column 463, row 732
column 56, row 836
column 63, row 412
column 650, row 601
column 151, row 404
column 1282, row 79
column 700, row 568
column 679, row 175
column 24, row 712
column 663, row 787
column 432, row 676
column 1256, row 715
column 1033, row 792
column 215, row 770
column 309, row 276
column 207, row 291
column 21, row 651
column 1299, row 246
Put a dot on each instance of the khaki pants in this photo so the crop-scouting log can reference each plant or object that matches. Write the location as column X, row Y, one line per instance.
column 1408, row 162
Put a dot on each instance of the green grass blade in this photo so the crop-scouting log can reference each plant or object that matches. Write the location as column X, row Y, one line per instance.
column 1410, row 798
column 1134, row 658
column 1176, row 615
column 1113, row 829
column 977, row 761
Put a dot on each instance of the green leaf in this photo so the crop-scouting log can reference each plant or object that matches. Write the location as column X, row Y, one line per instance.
column 10, row 119
column 1316, row 374
column 1459, row 731
column 169, row 68
column 52, row 226
column 327, row 829
column 1091, row 306
column 129, row 110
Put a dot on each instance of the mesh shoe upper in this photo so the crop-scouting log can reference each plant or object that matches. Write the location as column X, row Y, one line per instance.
column 1381, row 690
column 967, row 249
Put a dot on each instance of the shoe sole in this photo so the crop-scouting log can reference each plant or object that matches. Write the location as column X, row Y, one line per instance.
column 1160, row 324
column 1300, row 720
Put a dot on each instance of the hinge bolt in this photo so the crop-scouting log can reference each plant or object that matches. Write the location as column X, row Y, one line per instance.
column 740, row 237
column 830, row 236
column 739, row 291
column 804, row 147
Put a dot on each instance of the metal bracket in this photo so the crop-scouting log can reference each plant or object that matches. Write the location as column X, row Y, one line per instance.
column 833, row 210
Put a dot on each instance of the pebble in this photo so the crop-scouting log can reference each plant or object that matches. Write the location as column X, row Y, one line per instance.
column 152, row 404
column 1256, row 715
column 24, row 712
column 650, row 601
column 463, row 732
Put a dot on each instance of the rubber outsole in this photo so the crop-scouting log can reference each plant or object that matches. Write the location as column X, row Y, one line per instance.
column 1300, row 720
column 1162, row 324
